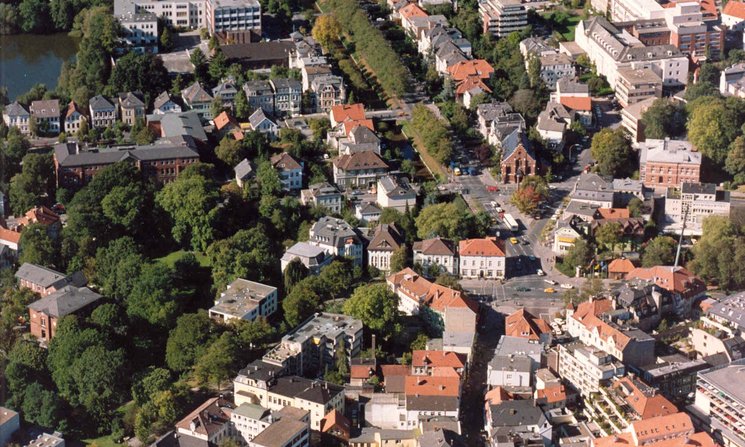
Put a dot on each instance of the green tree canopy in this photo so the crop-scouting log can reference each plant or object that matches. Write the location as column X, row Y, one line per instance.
column 712, row 127
column 188, row 341
column 659, row 251
column 377, row 307
column 612, row 151
column 664, row 119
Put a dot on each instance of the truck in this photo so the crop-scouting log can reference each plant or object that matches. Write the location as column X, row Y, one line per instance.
column 510, row 222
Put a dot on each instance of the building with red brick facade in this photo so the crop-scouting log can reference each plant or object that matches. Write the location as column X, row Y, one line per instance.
column 45, row 313
column 163, row 162
column 45, row 281
column 668, row 163
column 518, row 159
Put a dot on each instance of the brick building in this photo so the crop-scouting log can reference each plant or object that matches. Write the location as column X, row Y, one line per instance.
column 75, row 168
column 518, row 159
column 46, row 312
column 45, row 281
column 668, row 163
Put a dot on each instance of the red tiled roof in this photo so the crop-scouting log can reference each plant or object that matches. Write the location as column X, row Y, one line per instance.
column 552, row 394
column 475, row 67
column 335, row 420
column 412, row 10
column 361, row 371
column 577, row 102
column 284, row 161
column 621, row 265
column 351, row 124
column 345, row 112
column 470, row 83
column 10, row 236
column 668, row 426
column 646, row 403
column 434, row 359
column 673, row 279
column 432, row 386
column 481, row 247
column 613, row 213
column 436, row 296
column 524, row 325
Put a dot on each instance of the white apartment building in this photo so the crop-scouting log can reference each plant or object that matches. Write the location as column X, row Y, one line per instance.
column 720, row 403
column 611, row 49
column 509, row 371
column 437, row 251
column 245, row 300
column 216, row 15
column 631, row 10
column 225, row 16
column 732, row 81
column 482, row 258
column 502, row 17
column 554, row 67
column 140, row 31
column 699, row 201
column 338, row 237
column 587, row 369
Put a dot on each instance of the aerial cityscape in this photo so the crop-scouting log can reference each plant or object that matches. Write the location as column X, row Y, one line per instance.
column 372, row 223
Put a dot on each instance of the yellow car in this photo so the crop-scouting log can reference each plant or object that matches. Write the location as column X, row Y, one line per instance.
column 514, row 241
column 549, row 290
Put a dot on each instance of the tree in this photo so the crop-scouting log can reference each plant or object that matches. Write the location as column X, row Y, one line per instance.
column 247, row 254
column 326, row 30
column 199, row 61
column 735, row 161
column 155, row 298
column 240, row 106
column 218, row 66
column 110, row 318
column 532, row 191
column 117, row 267
column 612, row 151
column 191, row 202
column 302, row 301
column 578, row 255
column 139, row 72
column 41, row 406
column 438, row 220
column 609, row 234
column 38, row 246
column 708, row 73
column 377, row 307
column 166, row 39
column 33, row 184
column 664, row 119
column 188, row 341
column 659, row 251
column 419, row 343
column 124, row 206
column 636, row 207
column 268, row 178
column 230, row 151
column 217, row 363
column 711, row 129
column 34, row 16
column 399, row 259
column 295, row 272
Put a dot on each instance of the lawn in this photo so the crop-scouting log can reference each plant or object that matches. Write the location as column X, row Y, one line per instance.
column 563, row 22
column 171, row 258
column 103, row 441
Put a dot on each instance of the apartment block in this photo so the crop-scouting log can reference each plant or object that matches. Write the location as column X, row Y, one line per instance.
column 245, row 300
column 502, row 17
column 337, row 237
column 218, row 16
column 586, row 368
column 482, row 258
column 692, row 203
column 636, row 85
column 668, row 163
column 720, row 403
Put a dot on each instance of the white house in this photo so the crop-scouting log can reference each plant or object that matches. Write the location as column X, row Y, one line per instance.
column 693, row 203
column 337, row 237
column 385, row 241
column 396, row 192
column 261, row 123
column 245, row 300
column 564, row 238
column 16, row 115
column 437, row 251
column 74, row 118
column 482, row 258
column 290, row 171
column 733, row 15
column 165, row 104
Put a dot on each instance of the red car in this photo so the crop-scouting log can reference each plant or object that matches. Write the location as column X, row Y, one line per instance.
column 492, row 188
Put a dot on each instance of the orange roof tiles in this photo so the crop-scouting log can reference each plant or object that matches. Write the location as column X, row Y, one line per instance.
column 613, row 213
column 621, row 265
column 432, row 359
column 469, row 84
column 592, row 308
column 475, row 67
column 344, row 112
column 673, row 279
column 524, row 325
column 335, row 420
column 432, row 386
column 10, row 236
column 577, row 102
column 223, row 119
column 361, row 371
column 412, row 10
column 436, row 296
column 645, row 401
column 41, row 215
column 394, row 370
column 481, row 247
column 351, row 124
column 661, row 427
column 552, row 394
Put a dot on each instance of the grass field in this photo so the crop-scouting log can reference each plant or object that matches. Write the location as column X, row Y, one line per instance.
column 171, row 258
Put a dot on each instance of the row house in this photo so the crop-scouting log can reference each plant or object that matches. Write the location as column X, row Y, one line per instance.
column 16, row 115
column 165, row 104
column 75, row 168
column 668, row 163
column 132, row 107
column 359, row 170
column 74, row 118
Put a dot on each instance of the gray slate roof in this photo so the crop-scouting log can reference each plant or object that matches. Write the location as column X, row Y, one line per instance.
column 184, row 123
column 101, row 104
column 66, row 155
column 65, row 301
column 516, row 413
column 196, row 94
column 243, row 170
column 130, row 100
column 46, row 277
column 16, row 109
column 162, row 100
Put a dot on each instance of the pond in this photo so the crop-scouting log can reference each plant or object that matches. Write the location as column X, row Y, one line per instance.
column 27, row 59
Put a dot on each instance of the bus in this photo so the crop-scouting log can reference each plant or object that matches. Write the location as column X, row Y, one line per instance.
column 510, row 222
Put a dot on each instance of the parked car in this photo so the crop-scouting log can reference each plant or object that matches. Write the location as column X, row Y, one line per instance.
column 514, row 241
column 492, row 189
column 549, row 290
column 566, row 285
column 540, row 272
column 550, row 281
column 522, row 289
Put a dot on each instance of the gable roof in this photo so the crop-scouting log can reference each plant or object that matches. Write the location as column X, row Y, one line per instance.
column 386, row 238
column 208, row 418
column 72, row 108
column 488, row 246
column 474, row 67
column 162, row 100
column 621, row 265
column 11, row 236
column 360, row 160
column 195, row 94
column 673, row 279
column 259, row 117
column 16, row 109
column 412, row 10
column 130, row 100
column 46, row 277
column 432, row 386
column 243, row 169
column 613, row 213
column 577, row 103
column 352, row 125
column 470, row 83
column 335, row 419
column 735, row 9
column 99, row 102
column 45, row 108
column 435, row 359
column 436, row 296
column 646, row 401
column 224, row 119
column 65, row 301
column 285, row 162
column 435, row 246
column 523, row 324
column 348, row 112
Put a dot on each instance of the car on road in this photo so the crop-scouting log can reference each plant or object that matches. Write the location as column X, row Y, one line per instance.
column 514, row 241
column 550, row 281
column 522, row 289
column 492, row 189
column 494, row 204
column 549, row 290
column 540, row 272
column 566, row 285
column 532, row 258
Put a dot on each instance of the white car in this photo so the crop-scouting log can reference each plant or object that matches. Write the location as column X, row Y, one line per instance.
column 540, row 272
column 566, row 285
column 494, row 204
column 550, row 281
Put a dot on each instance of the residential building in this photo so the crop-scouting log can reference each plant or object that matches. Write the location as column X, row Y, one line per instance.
column 328, row 91
column 44, row 314
column 132, row 108
column 719, row 403
column 260, row 95
column 45, row 281
column 359, row 170
column 226, row 91
column 631, row 118
column 518, row 159
column 587, row 369
column 638, row 400
column 436, row 363
column 163, row 162
column 692, row 33
column 358, row 137
column 16, row 115
column 261, row 55
column 375, row 437
column 681, row 285
column 176, row 13
column 316, row 396
column 674, row 376
column 674, row 429
column 196, row 98
column 261, row 123
column 385, row 241
column 520, row 422
column 312, row 257
column 290, row 427
column 593, row 190
column 482, row 258
column 728, row 313
column 396, row 192
column 47, row 440
column 228, row 17
column 10, row 422
column 535, row 47
column 346, row 112
column 437, row 252
column 637, row 84
column 337, row 237
column 249, row 420
column 619, row 268
column 629, row 345
column 102, row 112
column 244, row 171
column 335, row 427
column 649, row 31
column 74, row 117
column 668, row 163
column 554, row 67
column 287, row 96
column 693, row 203
column 611, row 49
column 179, row 128
column 139, row 31
column 47, row 115
column 733, row 16
column 565, row 236
column 226, row 125
column 165, row 104
column 209, row 422
column 509, row 371
column 552, row 124
column 9, row 242
column 469, row 77
column 290, row 171
column 233, row 16
column 408, row 14
column 502, row 17
column 367, row 212
column 323, row 195
column 523, row 324
column 244, row 300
